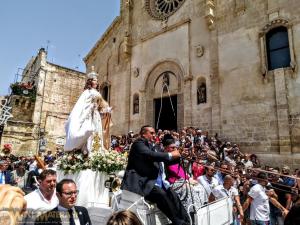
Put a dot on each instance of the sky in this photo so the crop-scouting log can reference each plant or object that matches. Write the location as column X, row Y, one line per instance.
column 67, row 28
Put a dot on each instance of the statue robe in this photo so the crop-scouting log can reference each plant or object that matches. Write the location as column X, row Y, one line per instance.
column 84, row 122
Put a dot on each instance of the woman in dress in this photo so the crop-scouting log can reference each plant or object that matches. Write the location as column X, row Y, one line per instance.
column 84, row 125
column 188, row 189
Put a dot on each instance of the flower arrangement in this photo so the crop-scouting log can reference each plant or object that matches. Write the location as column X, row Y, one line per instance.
column 102, row 161
column 25, row 89
column 7, row 148
column 108, row 161
column 72, row 162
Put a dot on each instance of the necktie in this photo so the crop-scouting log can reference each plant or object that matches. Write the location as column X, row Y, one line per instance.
column 159, row 180
column 2, row 178
column 71, row 220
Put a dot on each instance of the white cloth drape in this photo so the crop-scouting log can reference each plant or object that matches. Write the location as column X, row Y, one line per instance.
column 90, row 184
column 84, row 122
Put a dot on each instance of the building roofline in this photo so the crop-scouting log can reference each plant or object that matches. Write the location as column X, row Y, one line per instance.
column 111, row 27
column 66, row 68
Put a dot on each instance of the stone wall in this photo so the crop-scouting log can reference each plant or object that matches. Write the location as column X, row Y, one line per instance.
column 62, row 89
column 21, row 136
column 22, row 108
column 261, row 113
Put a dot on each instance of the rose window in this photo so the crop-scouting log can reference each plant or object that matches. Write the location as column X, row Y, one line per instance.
column 162, row 9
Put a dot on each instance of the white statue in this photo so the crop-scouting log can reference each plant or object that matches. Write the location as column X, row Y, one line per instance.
column 84, row 126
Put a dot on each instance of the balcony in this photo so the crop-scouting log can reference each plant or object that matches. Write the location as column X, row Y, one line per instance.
column 24, row 89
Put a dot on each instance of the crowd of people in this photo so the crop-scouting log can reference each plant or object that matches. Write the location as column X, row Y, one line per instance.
column 207, row 170
column 197, row 169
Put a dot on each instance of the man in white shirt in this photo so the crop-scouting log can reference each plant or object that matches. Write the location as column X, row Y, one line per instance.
column 44, row 198
column 259, row 200
column 208, row 181
column 220, row 174
column 32, row 164
column 66, row 212
column 230, row 158
column 247, row 162
column 227, row 190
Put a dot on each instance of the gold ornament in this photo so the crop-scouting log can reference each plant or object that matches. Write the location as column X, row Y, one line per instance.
column 96, row 142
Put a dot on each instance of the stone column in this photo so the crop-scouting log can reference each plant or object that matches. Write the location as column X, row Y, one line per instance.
column 215, row 91
column 187, row 88
column 127, row 56
column 282, row 111
column 180, row 111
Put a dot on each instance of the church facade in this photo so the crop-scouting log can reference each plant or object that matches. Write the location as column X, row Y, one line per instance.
column 229, row 67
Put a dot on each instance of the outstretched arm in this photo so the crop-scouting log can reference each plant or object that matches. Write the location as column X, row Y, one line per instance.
column 239, row 206
column 142, row 149
column 279, row 206
column 247, row 203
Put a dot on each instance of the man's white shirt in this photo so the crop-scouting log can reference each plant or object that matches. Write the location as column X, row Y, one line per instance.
column 207, row 184
column 260, row 208
column 248, row 164
column 33, row 166
column 36, row 201
column 230, row 161
column 37, row 205
column 220, row 192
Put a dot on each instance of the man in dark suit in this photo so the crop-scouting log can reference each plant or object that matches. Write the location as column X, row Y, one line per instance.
column 66, row 212
column 145, row 176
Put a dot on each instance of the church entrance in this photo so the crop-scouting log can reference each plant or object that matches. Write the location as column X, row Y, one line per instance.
column 166, row 113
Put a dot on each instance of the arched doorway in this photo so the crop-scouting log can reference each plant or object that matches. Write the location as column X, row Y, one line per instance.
column 164, row 96
column 166, row 113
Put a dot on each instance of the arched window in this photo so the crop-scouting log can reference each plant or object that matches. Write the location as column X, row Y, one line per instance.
column 105, row 93
column 104, row 90
column 23, row 103
column 278, row 51
column 136, row 104
column 201, row 91
column 17, row 102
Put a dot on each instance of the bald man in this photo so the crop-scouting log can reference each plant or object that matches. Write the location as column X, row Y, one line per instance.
column 227, row 190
